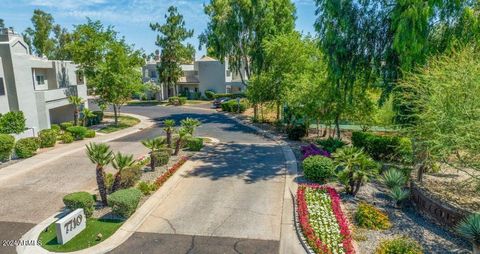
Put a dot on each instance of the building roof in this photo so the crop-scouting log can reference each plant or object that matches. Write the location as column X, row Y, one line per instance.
column 207, row 59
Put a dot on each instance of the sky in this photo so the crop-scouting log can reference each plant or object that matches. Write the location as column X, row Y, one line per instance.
column 131, row 18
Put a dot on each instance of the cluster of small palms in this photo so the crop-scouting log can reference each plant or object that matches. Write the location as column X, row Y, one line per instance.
column 396, row 180
column 102, row 155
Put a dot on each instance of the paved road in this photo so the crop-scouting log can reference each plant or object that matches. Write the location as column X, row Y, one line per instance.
column 231, row 203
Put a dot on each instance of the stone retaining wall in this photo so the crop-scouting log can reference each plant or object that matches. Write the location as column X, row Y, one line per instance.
column 442, row 213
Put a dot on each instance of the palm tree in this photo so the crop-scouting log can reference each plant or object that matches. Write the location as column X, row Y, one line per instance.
column 154, row 145
column 190, row 124
column 76, row 102
column 470, row 229
column 101, row 155
column 87, row 113
column 183, row 133
column 120, row 162
column 169, row 128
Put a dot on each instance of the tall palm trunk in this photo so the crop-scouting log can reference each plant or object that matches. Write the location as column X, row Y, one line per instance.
column 101, row 184
column 116, row 182
column 476, row 248
column 177, row 146
column 75, row 116
column 152, row 161
column 169, row 138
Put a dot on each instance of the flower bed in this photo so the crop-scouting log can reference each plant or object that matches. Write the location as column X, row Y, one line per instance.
column 311, row 150
column 164, row 177
column 322, row 220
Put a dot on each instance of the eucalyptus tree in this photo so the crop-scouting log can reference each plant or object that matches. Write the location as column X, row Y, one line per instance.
column 174, row 51
column 39, row 35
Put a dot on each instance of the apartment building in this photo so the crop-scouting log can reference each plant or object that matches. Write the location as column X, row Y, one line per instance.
column 36, row 86
column 204, row 74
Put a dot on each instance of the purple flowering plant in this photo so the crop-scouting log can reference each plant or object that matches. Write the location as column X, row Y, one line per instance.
column 311, row 150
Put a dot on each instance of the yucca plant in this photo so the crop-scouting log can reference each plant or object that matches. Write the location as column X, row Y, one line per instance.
column 169, row 128
column 398, row 194
column 394, row 178
column 120, row 162
column 470, row 229
column 87, row 113
column 101, row 155
column 154, row 145
column 189, row 125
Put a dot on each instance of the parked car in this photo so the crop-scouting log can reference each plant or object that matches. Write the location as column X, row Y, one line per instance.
column 217, row 103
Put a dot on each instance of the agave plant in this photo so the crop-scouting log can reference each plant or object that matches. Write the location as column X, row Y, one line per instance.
column 120, row 162
column 189, row 125
column 101, row 155
column 398, row 194
column 394, row 178
column 470, row 229
column 154, row 145
column 169, row 128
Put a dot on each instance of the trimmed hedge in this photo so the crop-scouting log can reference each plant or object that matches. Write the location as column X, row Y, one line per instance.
column 78, row 132
column 124, row 202
column 177, row 100
column 7, row 143
column 77, row 200
column 48, row 138
column 90, row 134
column 56, row 128
column 161, row 158
column 12, row 122
column 67, row 138
column 318, row 168
column 296, row 132
column 209, row 94
column 131, row 175
column 389, row 148
column 195, row 144
column 233, row 106
column 229, row 95
column 65, row 125
column 26, row 147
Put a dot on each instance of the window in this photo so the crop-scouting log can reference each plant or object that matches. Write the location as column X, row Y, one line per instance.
column 153, row 74
column 196, row 89
column 228, row 73
column 2, row 87
column 40, row 80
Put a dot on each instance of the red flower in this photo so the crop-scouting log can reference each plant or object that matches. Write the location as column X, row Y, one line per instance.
column 164, row 177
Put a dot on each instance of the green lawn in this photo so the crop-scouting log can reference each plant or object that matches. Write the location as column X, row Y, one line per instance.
column 146, row 103
column 123, row 122
column 85, row 239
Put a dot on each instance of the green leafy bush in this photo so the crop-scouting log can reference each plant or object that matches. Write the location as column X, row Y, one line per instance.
column 56, row 128
column 146, row 188
column 161, row 158
column 12, row 122
column 394, row 178
column 296, row 132
column 177, row 100
column 210, row 94
column 7, row 143
column 124, row 202
column 331, row 144
column 229, row 95
column 65, row 125
column 318, row 168
column 368, row 216
column 399, row 245
column 233, row 106
column 78, row 132
column 131, row 175
column 78, row 200
column 48, row 138
column 67, row 138
column 90, row 134
column 390, row 148
column 195, row 144
column 27, row 147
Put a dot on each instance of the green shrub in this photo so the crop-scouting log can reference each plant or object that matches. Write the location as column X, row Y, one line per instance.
column 98, row 116
column 90, row 134
column 296, row 132
column 124, row 202
column 229, row 95
column 78, row 132
column 12, row 122
column 131, row 175
column 176, row 100
column 80, row 200
column 370, row 217
column 233, row 106
column 394, row 178
column 399, row 245
column 390, row 148
column 48, row 138
column 65, row 125
column 161, row 158
column 67, row 138
column 195, row 144
column 318, row 168
column 7, row 143
column 209, row 94
column 398, row 194
column 109, row 179
column 27, row 147
column 146, row 188
column 56, row 128
column 331, row 144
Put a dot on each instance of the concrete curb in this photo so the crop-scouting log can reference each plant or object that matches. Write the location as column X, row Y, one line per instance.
column 44, row 158
column 288, row 230
column 124, row 232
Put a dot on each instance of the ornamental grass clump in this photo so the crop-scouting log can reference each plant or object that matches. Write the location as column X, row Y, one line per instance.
column 399, row 245
column 394, row 178
column 370, row 217
column 470, row 229
column 398, row 195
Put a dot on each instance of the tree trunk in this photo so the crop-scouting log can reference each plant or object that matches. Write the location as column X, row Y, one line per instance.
column 337, row 125
column 351, row 187
column 358, row 184
column 115, row 113
column 152, row 161
column 116, row 182
column 177, row 146
column 255, row 112
column 476, row 248
column 101, row 184
column 278, row 111
column 75, row 117
column 169, row 139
